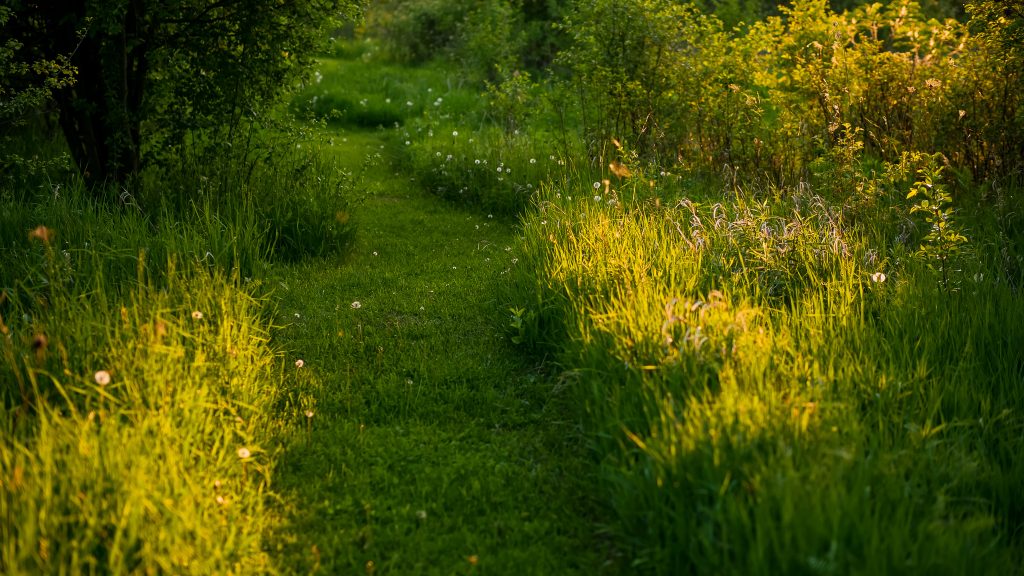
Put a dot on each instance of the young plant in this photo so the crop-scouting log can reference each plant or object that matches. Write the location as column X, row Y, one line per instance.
column 942, row 243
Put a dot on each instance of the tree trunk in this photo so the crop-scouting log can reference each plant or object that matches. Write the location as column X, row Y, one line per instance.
column 100, row 115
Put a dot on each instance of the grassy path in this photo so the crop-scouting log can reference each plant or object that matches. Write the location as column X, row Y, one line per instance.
column 433, row 447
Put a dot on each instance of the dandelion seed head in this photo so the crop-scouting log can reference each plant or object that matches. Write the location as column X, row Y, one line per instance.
column 244, row 453
column 357, row 305
column 300, row 363
column 197, row 315
column 102, row 377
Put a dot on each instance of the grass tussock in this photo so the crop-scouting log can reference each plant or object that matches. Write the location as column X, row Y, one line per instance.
column 770, row 391
column 135, row 397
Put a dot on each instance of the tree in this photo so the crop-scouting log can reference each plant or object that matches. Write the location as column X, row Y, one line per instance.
column 149, row 72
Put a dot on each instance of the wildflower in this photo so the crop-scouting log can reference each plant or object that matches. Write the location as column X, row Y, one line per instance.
column 477, row 161
column 409, row 103
column 309, row 413
column 500, row 168
column 597, row 185
column 438, row 153
column 300, row 363
column 375, row 253
column 220, row 500
column 933, row 83
column 597, row 198
column 533, row 160
column 455, row 133
column 878, row 277
column 357, row 305
column 407, row 143
column 508, row 170
column 244, row 453
column 421, row 515
column 473, row 560
column 620, row 169
column 41, row 233
column 197, row 315
column 102, row 377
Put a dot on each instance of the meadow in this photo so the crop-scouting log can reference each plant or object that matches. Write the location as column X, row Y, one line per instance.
column 609, row 287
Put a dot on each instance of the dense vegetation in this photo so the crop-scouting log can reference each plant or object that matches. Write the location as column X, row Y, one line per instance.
column 762, row 312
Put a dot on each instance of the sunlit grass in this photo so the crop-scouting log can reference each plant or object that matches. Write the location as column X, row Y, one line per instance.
column 767, row 393
column 128, row 392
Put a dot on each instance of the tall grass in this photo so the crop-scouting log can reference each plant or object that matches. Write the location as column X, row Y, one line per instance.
column 769, row 390
column 137, row 378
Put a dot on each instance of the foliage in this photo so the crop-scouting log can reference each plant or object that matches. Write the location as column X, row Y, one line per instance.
column 27, row 84
column 770, row 99
column 148, row 74
column 489, row 38
column 942, row 242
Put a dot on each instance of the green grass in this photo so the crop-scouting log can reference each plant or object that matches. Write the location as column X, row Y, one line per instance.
column 431, row 439
column 128, row 389
column 762, row 404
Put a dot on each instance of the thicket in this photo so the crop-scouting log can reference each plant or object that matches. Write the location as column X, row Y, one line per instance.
column 762, row 100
